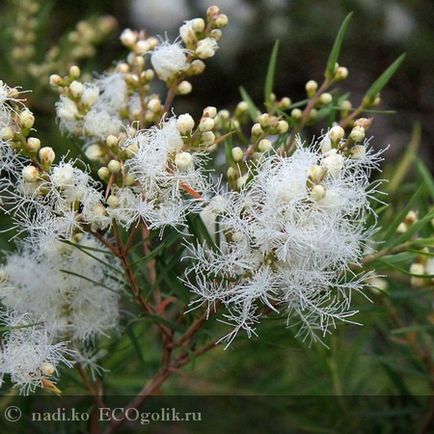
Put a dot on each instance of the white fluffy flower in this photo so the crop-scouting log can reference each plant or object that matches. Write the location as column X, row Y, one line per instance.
column 29, row 354
column 169, row 59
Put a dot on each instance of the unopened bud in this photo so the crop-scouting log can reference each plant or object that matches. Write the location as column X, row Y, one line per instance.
column 184, row 88
column 184, row 161
column 114, row 166
column 357, row 134
column 103, row 173
column 318, row 192
column 46, row 156
column 296, row 114
column 113, row 201
column 341, row 73
column 209, row 112
column 6, row 133
column 265, row 145
column 282, row 127
column 30, row 173
column 185, row 123
column 33, row 144
column 336, row 133
column 358, row 152
column 206, row 124
column 76, row 88
column 47, row 369
column 237, row 154
column 326, row 98
column 311, row 87
column 26, row 119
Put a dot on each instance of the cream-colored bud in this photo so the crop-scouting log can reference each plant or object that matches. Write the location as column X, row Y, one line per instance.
column 326, row 145
column 132, row 150
column 237, row 154
column 224, row 114
column 27, row 119
column 185, row 123
column 242, row 107
column 318, row 192
column 265, row 145
column 103, row 173
column 184, row 88
column 357, row 134
column 346, row 105
column 333, row 162
column 113, row 201
column 264, row 120
column 296, row 113
column 358, row 152
column 128, row 38
column 410, row 218
column 284, row 103
column 326, row 98
column 129, row 179
column 231, row 173
column 6, row 133
column 257, row 130
column 47, row 369
column 336, row 133
column 142, row 47
column 209, row 112
column 311, row 87
column 30, row 173
column 111, row 141
column 114, row 166
column 76, row 88
column 184, row 161
column 316, row 173
column 221, row 21
column 206, row 124
column 197, row 67
column 47, row 155
column 216, row 34
column 208, row 138
column 74, row 71
column 55, row 79
column 198, row 25
column 282, row 127
column 206, row 48
column 154, row 105
column 33, row 144
column 94, row 152
column 417, row 269
column 402, row 228
column 341, row 73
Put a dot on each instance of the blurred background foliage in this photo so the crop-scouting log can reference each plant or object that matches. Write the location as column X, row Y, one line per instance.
column 392, row 353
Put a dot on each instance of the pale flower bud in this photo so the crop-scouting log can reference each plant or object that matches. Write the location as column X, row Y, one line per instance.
column 341, row 73
column 336, row 133
column 241, row 181
column 185, row 123
column 231, row 173
column 237, row 154
column 128, row 37
column 318, row 192
column 402, row 228
column 6, row 133
column 221, row 21
column 114, row 166
column 111, row 141
column 113, row 201
column 94, row 152
column 326, row 145
column 282, row 127
column 417, row 269
column 103, row 173
column 47, row 155
column 30, row 173
column 208, row 138
column 154, row 105
column 242, row 107
column 197, row 67
column 74, row 71
column 184, row 88
column 55, row 79
column 357, row 134
column 326, row 98
column 184, row 161
column 257, row 130
column 410, row 218
column 76, row 88
column 210, row 112
column 316, row 173
column 265, row 145
column 311, row 87
column 33, row 144
column 206, row 124
column 296, row 113
column 26, row 119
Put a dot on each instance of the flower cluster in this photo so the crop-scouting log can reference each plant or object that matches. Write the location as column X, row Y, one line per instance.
column 287, row 238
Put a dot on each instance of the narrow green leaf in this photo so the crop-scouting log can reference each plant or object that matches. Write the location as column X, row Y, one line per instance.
column 426, row 176
column 253, row 110
column 271, row 71
column 136, row 344
column 413, row 229
column 336, row 49
column 384, row 78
